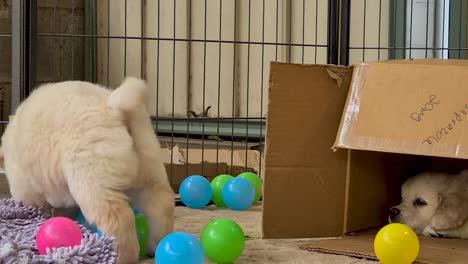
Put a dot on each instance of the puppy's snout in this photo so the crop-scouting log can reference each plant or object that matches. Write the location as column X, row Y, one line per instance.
column 394, row 213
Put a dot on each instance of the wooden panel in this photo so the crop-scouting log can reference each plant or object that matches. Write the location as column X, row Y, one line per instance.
column 372, row 31
column 118, row 57
column 207, row 85
column 187, row 76
column 167, row 61
column 4, row 188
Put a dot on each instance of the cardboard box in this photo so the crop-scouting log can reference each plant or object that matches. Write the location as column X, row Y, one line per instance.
column 209, row 163
column 415, row 108
column 365, row 113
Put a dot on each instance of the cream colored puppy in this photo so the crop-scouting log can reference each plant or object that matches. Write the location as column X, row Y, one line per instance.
column 434, row 204
column 79, row 144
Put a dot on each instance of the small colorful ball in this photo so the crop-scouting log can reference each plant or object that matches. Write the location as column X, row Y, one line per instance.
column 195, row 191
column 217, row 185
column 142, row 230
column 255, row 181
column 396, row 243
column 179, row 248
column 58, row 232
column 238, row 194
column 80, row 218
column 223, row 240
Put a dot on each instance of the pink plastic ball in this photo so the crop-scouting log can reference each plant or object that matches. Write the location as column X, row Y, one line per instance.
column 58, row 232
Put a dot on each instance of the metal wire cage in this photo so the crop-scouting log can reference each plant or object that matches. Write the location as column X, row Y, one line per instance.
column 207, row 62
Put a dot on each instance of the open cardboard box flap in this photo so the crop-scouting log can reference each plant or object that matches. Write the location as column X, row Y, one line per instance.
column 311, row 191
column 416, row 107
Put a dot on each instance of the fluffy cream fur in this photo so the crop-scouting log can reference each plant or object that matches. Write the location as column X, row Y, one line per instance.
column 79, row 144
column 434, row 204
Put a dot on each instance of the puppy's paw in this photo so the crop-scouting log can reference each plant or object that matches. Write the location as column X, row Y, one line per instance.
column 150, row 249
column 127, row 253
column 429, row 232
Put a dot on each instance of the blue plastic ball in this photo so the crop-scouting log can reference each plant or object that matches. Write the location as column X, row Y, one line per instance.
column 195, row 191
column 82, row 221
column 238, row 194
column 92, row 228
column 179, row 248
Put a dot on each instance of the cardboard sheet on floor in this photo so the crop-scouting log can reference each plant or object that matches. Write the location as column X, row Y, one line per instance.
column 208, row 162
column 432, row 251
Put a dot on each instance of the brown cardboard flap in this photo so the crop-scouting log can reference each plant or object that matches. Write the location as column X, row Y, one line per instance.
column 209, row 163
column 237, row 158
column 411, row 107
column 304, row 180
column 432, row 250
column 366, row 186
column 451, row 62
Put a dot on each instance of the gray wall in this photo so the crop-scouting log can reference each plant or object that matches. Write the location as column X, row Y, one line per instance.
column 5, row 55
column 58, row 58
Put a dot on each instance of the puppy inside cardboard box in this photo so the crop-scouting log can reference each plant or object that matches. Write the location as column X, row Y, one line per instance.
column 77, row 144
column 434, row 197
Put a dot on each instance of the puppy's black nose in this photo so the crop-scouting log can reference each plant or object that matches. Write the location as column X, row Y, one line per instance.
column 394, row 212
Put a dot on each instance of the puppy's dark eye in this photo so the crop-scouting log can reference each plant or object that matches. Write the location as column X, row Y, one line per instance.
column 419, row 202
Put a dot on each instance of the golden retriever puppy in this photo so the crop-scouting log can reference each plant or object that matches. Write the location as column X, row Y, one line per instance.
column 434, row 204
column 79, row 144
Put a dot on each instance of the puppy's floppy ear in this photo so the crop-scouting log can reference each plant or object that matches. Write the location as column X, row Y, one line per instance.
column 450, row 213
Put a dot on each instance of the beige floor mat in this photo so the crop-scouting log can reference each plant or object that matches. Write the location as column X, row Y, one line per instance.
column 257, row 250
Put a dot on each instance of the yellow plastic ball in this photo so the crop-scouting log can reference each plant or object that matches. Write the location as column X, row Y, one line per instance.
column 396, row 244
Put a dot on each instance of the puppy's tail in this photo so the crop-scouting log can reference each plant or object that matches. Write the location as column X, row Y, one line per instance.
column 129, row 96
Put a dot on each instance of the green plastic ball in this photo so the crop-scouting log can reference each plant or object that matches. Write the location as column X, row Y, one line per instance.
column 142, row 232
column 223, row 240
column 255, row 181
column 217, row 185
